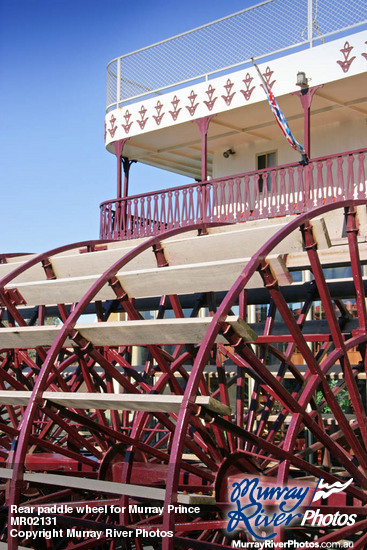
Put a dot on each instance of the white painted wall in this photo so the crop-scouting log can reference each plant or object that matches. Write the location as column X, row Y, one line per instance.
column 331, row 139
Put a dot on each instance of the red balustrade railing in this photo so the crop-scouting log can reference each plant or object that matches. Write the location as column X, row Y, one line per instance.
column 287, row 189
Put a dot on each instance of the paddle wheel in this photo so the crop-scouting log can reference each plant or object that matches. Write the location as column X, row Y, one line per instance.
column 142, row 423
column 166, row 386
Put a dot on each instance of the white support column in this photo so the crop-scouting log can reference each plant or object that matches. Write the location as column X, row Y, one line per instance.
column 310, row 23
column 118, row 83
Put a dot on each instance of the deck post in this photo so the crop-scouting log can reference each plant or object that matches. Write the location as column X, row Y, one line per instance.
column 126, row 164
column 203, row 125
column 306, row 95
column 119, row 146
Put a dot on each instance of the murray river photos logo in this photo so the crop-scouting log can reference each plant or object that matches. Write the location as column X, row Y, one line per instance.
column 253, row 500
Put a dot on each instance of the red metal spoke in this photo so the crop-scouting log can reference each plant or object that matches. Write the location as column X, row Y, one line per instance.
column 60, row 367
column 163, row 380
column 113, row 435
column 10, row 430
column 87, row 378
column 317, row 271
column 352, row 235
column 73, row 431
column 343, row 532
column 135, row 443
column 293, row 406
column 360, row 544
column 134, row 315
column 286, row 363
column 282, row 454
column 312, row 363
column 42, row 443
column 224, row 398
column 11, row 380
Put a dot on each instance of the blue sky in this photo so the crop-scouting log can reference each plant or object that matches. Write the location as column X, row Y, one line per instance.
column 54, row 170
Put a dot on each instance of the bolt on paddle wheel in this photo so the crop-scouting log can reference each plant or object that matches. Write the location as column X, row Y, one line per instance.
column 133, row 429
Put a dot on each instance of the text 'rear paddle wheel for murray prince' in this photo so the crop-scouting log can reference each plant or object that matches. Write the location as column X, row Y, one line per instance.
column 190, row 380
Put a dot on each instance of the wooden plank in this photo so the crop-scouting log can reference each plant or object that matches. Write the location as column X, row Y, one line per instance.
column 242, row 329
column 30, row 337
column 60, row 291
column 332, row 257
column 279, row 269
column 76, row 272
column 213, row 405
column 230, row 244
column 96, row 263
column 362, row 220
column 334, row 221
column 183, row 279
column 34, row 273
column 222, row 243
column 114, row 401
column 116, row 333
column 16, row 398
column 321, row 233
column 196, row 264
column 109, row 487
column 334, row 374
column 188, row 279
column 158, row 331
column 97, row 485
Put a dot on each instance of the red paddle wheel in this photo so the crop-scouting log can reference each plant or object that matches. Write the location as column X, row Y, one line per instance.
column 132, row 430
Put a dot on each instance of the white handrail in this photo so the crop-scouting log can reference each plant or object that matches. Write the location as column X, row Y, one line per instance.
column 262, row 30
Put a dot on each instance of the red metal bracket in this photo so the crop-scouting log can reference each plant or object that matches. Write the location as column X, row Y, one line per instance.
column 49, row 270
column 159, row 254
column 92, row 248
column 229, row 333
column 13, row 296
column 116, row 286
column 84, row 345
column 267, row 276
column 352, row 225
column 308, row 238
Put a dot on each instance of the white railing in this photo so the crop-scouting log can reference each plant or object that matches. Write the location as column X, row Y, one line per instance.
column 270, row 28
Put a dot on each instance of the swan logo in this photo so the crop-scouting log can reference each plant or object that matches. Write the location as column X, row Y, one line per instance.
column 323, row 491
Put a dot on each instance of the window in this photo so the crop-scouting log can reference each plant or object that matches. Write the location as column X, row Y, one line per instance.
column 266, row 160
